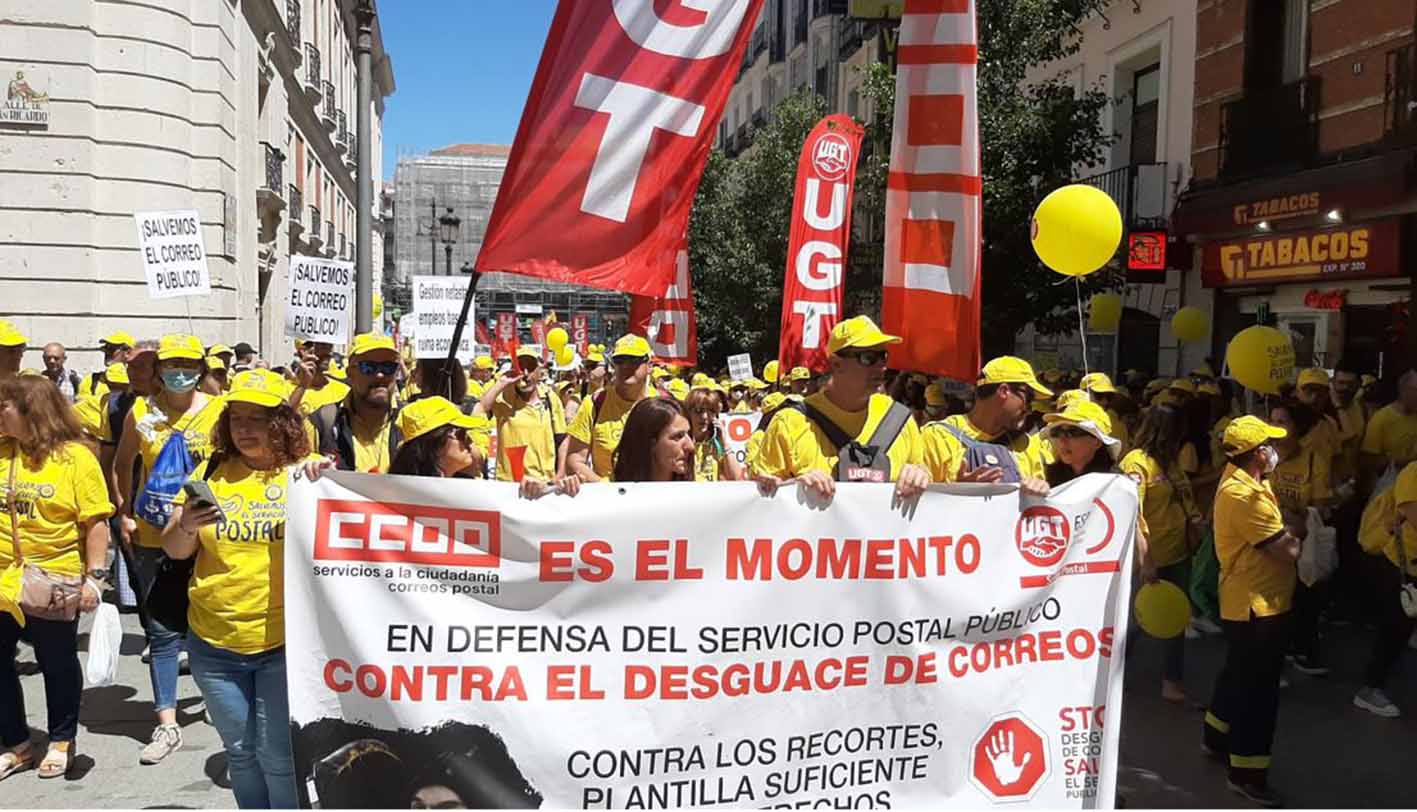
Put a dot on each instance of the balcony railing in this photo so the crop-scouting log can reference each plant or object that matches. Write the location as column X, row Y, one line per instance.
column 341, row 131
column 292, row 23
column 315, row 222
column 1270, row 128
column 760, row 118
column 327, row 117
column 852, row 34
column 1139, row 191
column 821, row 8
column 275, row 168
column 342, row 246
column 297, row 205
column 1400, row 94
column 312, row 70
column 760, row 43
column 329, row 234
column 799, row 26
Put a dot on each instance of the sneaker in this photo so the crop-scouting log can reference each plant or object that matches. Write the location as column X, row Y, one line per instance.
column 147, row 655
column 182, row 665
column 167, row 739
column 1192, row 633
column 1205, row 625
column 1374, row 701
column 1257, row 793
column 1308, row 665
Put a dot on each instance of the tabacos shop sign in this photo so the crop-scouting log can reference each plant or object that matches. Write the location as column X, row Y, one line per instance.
column 1350, row 252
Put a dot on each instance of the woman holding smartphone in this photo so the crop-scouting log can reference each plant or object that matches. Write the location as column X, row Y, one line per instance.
column 236, row 634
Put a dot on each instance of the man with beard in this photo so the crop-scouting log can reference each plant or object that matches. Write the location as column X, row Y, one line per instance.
column 1003, row 395
column 359, row 432
column 798, row 443
column 595, row 434
column 530, row 421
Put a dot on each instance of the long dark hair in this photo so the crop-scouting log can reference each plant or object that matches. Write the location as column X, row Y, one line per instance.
column 1162, row 432
column 436, row 379
column 289, row 442
column 1059, row 472
column 1303, row 415
column 1198, row 427
column 648, row 419
column 419, row 457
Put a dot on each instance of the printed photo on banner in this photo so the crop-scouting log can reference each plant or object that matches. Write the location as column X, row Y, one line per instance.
column 174, row 255
column 437, row 301
column 321, row 306
column 465, row 646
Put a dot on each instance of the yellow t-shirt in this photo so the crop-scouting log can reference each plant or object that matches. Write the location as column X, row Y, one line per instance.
column 1324, row 438
column 1378, row 535
column 238, row 584
column 527, row 431
column 944, row 453
column 332, row 392
column 755, row 445
column 89, row 387
column 155, row 425
column 1246, row 516
column 1352, row 422
column 1120, row 431
column 52, row 502
column 89, row 412
column 793, row 444
column 601, row 428
column 1164, row 508
column 1392, row 434
column 476, row 389
column 370, row 443
column 707, row 456
column 1302, row 480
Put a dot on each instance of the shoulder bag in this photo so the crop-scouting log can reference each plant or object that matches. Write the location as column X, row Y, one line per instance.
column 43, row 594
column 166, row 599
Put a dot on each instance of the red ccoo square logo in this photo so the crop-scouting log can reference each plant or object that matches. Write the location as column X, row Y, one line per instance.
column 407, row 534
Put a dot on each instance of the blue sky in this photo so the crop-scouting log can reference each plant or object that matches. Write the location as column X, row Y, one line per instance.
column 462, row 70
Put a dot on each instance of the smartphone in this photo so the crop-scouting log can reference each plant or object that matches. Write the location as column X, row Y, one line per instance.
column 199, row 494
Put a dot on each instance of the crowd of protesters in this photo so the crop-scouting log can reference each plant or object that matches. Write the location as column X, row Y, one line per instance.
column 1231, row 487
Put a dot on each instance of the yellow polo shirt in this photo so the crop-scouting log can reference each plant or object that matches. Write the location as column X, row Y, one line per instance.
column 1392, row 434
column 1246, row 516
column 52, row 503
column 793, row 444
column 944, row 453
column 1162, row 506
column 1352, row 422
column 314, row 399
column 601, row 428
column 370, row 443
column 527, row 431
column 1302, row 481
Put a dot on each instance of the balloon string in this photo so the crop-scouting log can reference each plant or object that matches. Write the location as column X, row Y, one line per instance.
column 1082, row 325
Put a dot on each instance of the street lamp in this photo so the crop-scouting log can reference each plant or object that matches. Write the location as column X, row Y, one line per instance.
column 448, row 224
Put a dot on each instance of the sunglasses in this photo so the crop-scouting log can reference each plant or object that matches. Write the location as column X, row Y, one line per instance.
column 378, row 367
column 632, row 360
column 1071, row 432
column 866, row 358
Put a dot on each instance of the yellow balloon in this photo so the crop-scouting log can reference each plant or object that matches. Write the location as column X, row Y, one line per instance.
column 556, row 339
column 1163, row 610
column 1190, row 324
column 1076, row 229
column 377, row 308
column 770, row 372
column 1261, row 358
column 1104, row 312
column 565, row 355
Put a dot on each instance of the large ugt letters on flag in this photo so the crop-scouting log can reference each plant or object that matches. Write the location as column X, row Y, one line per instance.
column 932, row 281
column 613, row 140
column 817, row 245
column 667, row 321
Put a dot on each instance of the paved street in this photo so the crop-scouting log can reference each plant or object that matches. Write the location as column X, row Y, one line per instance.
column 1329, row 753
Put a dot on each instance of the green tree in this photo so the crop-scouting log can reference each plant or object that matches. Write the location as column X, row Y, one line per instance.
column 1034, row 138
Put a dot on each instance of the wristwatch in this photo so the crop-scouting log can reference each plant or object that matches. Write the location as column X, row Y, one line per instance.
column 98, row 575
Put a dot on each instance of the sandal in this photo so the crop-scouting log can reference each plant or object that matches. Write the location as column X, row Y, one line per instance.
column 56, row 761
column 16, row 760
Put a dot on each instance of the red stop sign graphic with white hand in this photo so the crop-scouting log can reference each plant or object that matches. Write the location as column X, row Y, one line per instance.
column 1009, row 761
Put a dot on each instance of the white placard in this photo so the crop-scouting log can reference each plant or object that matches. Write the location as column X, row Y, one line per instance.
column 740, row 367
column 174, row 255
column 437, row 300
column 321, row 305
column 734, row 429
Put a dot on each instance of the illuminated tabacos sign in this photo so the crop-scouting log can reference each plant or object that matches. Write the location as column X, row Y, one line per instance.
column 1358, row 251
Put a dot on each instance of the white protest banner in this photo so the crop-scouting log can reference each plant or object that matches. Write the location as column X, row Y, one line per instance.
column 437, row 301
column 735, row 429
column 174, row 255
column 678, row 644
column 321, row 306
column 740, row 367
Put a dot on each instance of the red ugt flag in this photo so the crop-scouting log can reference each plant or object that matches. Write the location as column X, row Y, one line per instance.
column 667, row 321
column 613, row 140
column 816, row 249
column 932, row 284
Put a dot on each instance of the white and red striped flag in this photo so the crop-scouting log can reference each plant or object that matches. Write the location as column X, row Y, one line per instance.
column 933, row 200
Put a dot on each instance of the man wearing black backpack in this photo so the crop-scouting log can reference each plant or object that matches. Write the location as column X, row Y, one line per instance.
column 847, row 431
column 359, row 432
column 594, row 434
column 989, row 444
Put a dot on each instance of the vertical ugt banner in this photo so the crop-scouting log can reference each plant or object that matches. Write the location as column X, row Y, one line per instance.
column 613, row 140
column 820, row 236
column 931, row 288
column 580, row 333
column 667, row 321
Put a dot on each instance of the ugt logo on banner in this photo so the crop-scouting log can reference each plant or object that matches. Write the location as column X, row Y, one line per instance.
column 820, row 235
column 613, row 140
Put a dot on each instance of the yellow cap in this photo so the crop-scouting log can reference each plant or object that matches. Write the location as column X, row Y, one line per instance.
column 1043, row 406
column 118, row 338
column 219, row 349
column 773, row 401
column 335, row 372
column 1209, row 388
column 482, row 362
column 528, row 351
column 1068, row 398
column 10, row 336
column 799, row 374
column 1203, row 371
column 630, row 346
column 858, row 332
column 1091, row 418
column 934, row 395
column 1245, row 433
column 116, row 373
column 659, row 373
column 1313, row 376
column 1008, row 369
column 424, row 415
column 1154, row 386
column 259, row 386
column 756, row 385
column 180, row 345
column 1182, row 385
column 213, row 362
column 370, row 342
column 678, row 387
column 700, row 379
column 770, row 372
column 1097, row 383
column 595, row 357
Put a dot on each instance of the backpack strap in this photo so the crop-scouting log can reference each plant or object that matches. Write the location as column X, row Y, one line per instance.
column 213, row 462
column 890, row 427
column 833, row 432
column 323, row 419
column 964, row 439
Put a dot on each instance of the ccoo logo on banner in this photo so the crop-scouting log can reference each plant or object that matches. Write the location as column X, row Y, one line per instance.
column 673, row 644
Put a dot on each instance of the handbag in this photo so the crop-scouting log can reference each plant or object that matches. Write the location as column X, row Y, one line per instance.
column 43, row 594
column 166, row 599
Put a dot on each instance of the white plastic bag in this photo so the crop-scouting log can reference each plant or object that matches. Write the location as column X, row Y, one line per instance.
column 1318, row 559
column 104, row 643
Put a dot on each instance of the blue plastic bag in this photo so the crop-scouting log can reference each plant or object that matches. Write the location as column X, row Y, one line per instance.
column 174, row 464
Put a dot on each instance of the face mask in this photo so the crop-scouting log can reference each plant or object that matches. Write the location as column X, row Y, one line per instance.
column 1271, row 459
column 180, row 380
